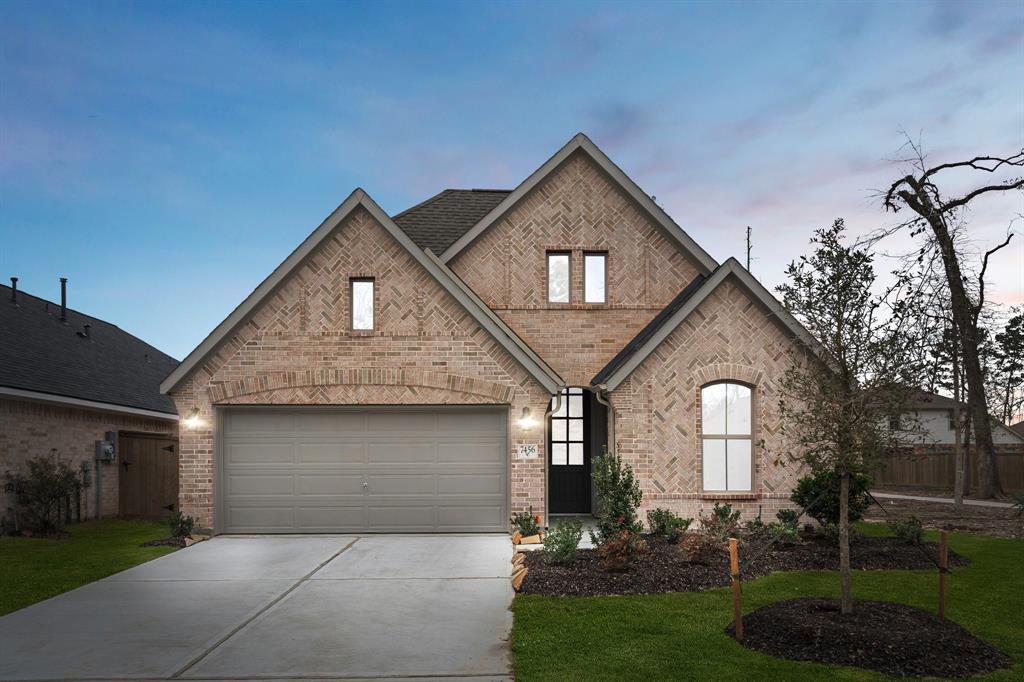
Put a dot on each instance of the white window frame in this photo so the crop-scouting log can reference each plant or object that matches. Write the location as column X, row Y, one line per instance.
column 739, row 439
column 352, row 303
column 588, row 256
column 568, row 275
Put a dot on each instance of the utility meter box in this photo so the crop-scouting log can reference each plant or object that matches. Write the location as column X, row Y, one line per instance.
column 104, row 451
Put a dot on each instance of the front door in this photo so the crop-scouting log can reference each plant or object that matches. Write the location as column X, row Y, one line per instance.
column 569, row 454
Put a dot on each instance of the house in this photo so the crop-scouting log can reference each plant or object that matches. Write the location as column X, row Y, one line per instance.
column 934, row 423
column 69, row 381
column 1018, row 428
column 470, row 356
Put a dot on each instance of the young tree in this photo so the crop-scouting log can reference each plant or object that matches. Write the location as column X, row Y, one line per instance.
column 837, row 400
column 938, row 215
column 1008, row 377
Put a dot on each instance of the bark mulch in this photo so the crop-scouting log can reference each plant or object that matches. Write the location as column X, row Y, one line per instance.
column 666, row 568
column 165, row 542
column 893, row 639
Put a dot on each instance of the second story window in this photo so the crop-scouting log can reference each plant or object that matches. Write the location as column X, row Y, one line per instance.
column 362, row 304
column 558, row 277
column 595, row 269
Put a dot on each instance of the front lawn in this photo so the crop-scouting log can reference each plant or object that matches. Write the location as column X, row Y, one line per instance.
column 32, row 569
column 681, row 635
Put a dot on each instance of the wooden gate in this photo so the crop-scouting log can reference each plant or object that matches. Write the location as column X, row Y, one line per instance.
column 148, row 486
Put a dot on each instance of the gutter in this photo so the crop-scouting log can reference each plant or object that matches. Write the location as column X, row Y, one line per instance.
column 82, row 403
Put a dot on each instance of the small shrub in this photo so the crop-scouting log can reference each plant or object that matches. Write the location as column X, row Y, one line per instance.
column 702, row 548
column 618, row 551
column 181, row 525
column 664, row 523
column 526, row 522
column 909, row 530
column 560, row 543
column 790, row 518
column 830, row 531
column 40, row 493
column 723, row 523
column 818, row 494
column 618, row 495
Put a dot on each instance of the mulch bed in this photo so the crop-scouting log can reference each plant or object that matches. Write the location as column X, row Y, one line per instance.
column 165, row 542
column 665, row 568
column 992, row 521
column 893, row 639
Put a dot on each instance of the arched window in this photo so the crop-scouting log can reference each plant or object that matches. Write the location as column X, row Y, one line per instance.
column 726, row 437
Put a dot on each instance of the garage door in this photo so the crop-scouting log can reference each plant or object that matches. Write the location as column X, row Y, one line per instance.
column 309, row 470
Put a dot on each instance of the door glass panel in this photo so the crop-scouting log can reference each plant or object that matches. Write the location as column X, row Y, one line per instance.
column 560, row 412
column 575, row 430
column 575, row 406
column 575, row 453
column 558, row 455
column 558, row 429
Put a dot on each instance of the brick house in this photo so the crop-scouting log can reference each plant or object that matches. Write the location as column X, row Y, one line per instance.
column 468, row 357
column 68, row 380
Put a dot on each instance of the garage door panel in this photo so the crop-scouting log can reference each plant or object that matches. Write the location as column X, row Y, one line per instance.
column 341, row 485
column 366, row 470
column 338, row 452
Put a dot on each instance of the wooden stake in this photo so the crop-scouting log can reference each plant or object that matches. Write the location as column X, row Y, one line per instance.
column 737, row 601
column 943, row 565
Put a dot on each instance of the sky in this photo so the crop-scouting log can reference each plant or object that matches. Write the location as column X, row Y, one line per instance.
column 166, row 157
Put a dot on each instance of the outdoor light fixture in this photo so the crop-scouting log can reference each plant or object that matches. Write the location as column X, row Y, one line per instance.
column 526, row 421
column 192, row 421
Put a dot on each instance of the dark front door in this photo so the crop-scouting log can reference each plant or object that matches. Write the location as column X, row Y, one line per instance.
column 569, row 454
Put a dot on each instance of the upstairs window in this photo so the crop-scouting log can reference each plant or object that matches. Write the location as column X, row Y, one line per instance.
column 727, row 437
column 595, row 269
column 362, row 304
column 558, row 277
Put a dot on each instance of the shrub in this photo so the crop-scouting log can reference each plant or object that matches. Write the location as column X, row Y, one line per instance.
column 526, row 522
column 723, row 523
column 1018, row 503
column 909, row 530
column 790, row 518
column 618, row 551
column 818, row 494
column 618, row 495
column 560, row 543
column 663, row 522
column 40, row 492
column 181, row 525
column 830, row 531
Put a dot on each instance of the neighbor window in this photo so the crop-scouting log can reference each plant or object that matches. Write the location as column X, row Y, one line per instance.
column 727, row 437
column 594, row 275
column 362, row 304
column 558, row 277
column 567, row 428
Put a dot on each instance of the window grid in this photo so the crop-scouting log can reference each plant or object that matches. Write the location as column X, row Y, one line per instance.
column 567, row 429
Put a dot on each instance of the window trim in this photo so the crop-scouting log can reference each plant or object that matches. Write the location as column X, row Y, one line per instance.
column 604, row 274
column 352, row 304
column 703, row 435
column 547, row 276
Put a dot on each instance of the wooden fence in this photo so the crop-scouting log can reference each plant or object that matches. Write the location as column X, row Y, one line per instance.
column 933, row 467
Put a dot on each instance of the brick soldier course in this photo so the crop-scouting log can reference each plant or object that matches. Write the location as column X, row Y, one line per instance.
column 469, row 323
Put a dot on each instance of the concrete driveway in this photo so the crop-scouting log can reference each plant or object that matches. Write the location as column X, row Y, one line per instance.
column 384, row 606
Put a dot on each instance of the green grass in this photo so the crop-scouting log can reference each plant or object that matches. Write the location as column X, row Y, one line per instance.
column 32, row 569
column 680, row 635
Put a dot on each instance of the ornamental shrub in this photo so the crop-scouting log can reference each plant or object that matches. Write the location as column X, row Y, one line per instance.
column 818, row 495
column 526, row 522
column 664, row 523
column 561, row 543
column 619, row 550
column 909, row 530
column 181, row 525
column 619, row 497
column 39, row 494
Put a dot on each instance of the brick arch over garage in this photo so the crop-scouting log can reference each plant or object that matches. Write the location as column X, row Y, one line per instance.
column 345, row 385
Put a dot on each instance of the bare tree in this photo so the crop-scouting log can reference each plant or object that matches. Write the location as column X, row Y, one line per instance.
column 918, row 191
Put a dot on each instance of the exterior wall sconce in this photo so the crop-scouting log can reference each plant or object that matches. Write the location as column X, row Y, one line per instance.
column 526, row 420
column 192, row 421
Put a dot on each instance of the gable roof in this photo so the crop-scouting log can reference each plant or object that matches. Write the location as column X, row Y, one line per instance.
column 1017, row 428
column 485, row 318
column 582, row 144
column 43, row 358
column 436, row 223
column 651, row 336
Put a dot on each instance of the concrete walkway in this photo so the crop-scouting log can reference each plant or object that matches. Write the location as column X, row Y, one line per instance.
column 943, row 500
column 311, row 607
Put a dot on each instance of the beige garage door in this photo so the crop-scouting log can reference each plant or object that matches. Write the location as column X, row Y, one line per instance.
column 310, row 470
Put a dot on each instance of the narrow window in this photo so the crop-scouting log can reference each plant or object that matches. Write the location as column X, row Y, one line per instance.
column 727, row 437
column 558, row 277
column 595, row 268
column 362, row 304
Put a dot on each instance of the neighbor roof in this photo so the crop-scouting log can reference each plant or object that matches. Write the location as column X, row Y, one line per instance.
column 1017, row 428
column 484, row 317
column 42, row 356
column 651, row 336
column 436, row 223
column 581, row 144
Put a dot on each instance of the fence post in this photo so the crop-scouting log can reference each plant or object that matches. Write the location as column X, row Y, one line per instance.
column 943, row 565
column 737, row 601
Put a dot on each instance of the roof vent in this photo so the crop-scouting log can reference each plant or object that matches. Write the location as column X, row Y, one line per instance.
column 64, row 299
column 14, row 290
column 85, row 331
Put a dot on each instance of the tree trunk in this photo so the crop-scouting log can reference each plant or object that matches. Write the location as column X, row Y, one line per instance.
column 958, row 448
column 846, row 600
column 967, row 328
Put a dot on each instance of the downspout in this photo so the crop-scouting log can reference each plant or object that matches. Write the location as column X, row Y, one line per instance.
column 601, row 394
column 547, row 455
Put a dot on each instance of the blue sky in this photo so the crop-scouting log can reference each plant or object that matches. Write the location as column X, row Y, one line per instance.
column 166, row 157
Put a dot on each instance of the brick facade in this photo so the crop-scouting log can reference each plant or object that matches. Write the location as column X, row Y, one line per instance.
column 29, row 429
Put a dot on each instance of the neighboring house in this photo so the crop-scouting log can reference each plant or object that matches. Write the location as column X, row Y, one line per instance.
column 1018, row 428
column 933, row 419
column 472, row 355
column 66, row 381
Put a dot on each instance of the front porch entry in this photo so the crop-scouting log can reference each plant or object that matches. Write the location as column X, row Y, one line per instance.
column 577, row 432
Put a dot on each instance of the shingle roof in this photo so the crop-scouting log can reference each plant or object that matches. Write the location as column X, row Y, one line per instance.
column 648, row 331
column 1018, row 428
column 439, row 221
column 40, row 353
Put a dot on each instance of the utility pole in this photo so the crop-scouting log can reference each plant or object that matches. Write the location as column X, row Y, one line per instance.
column 748, row 248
